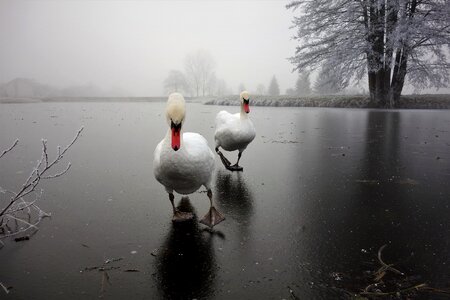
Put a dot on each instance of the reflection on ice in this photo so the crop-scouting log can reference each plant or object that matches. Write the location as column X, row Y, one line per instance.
column 234, row 197
column 185, row 264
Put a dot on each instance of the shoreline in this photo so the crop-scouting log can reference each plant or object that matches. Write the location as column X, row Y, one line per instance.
column 426, row 101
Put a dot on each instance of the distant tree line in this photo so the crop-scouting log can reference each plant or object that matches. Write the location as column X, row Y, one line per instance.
column 199, row 79
column 30, row 88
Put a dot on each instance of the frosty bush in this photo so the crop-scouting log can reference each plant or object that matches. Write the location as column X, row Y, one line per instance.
column 19, row 212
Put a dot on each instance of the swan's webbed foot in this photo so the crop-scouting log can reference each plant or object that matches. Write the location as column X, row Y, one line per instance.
column 181, row 216
column 224, row 160
column 212, row 218
column 235, row 167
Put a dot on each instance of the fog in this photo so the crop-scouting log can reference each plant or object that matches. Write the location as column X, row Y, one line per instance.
column 131, row 46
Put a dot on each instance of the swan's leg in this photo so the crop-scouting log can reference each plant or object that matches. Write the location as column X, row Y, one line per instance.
column 213, row 217
column 179, row 216
column 239, row 157
column 236, row 166
column 224, row 160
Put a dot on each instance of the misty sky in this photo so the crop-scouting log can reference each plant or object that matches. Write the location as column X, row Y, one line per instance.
column 132, row 45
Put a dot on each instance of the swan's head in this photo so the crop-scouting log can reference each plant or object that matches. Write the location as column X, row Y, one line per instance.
column 175, row 113
column 245, row 101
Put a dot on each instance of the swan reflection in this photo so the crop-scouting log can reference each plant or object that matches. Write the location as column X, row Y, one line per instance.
column 185, row 264
column 234, row 196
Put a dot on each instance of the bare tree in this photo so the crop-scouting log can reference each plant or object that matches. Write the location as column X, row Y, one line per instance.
column 384, row 40
column 274, row 89
column 176, row 82
column 199, row 67
column 21, row 214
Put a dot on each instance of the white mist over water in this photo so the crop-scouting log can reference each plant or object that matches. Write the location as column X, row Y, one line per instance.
column 129, row 47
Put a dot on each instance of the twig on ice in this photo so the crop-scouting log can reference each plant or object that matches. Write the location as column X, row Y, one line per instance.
column 384, row 266
column 4, row 288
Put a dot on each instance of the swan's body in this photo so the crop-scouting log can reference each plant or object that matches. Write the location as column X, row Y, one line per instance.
column 184, row 162
column 186, row 170
column 234, row 132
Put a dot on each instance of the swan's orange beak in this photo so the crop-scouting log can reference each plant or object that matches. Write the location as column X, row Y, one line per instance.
column 246, row 107
column 175, row 138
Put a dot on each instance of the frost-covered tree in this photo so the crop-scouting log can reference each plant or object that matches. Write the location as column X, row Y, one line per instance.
column 327, row 82
column 199, row 67
column 274, row 89
column 176, row 82
column 303, row 85
column 389, row 41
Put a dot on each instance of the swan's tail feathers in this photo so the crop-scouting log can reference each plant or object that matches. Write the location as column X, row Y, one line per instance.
column 212, row 218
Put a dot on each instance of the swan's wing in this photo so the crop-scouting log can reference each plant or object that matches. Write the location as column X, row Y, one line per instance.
column 225, row 122
column 157, row 159
column 227, row 126
column 222, row 118
column 157, row 155
column 197, row 146
column 200, row 156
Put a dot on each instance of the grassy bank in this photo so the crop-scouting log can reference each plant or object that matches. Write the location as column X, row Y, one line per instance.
column 431, row 101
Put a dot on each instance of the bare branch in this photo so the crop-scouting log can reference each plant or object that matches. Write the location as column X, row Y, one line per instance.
column 19, row 205
column 10, row 148
column 44, row 151
column 58, row 174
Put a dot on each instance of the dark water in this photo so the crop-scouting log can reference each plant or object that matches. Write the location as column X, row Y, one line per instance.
column 322, row 190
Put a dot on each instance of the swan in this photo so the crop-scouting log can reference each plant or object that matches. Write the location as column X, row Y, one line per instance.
column 234, row 132
column 183, row 162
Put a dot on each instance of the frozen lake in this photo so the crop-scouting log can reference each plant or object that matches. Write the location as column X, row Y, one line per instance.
column 322, row 190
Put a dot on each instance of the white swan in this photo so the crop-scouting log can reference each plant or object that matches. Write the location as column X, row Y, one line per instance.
column 234, row 132
column 183, row 162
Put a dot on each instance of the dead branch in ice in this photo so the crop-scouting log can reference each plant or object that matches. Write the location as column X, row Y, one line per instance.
column 21, row 214
column 404, row 286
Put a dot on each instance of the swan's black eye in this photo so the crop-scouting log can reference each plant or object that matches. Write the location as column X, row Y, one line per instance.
column 247, row 101
column 177, row 127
